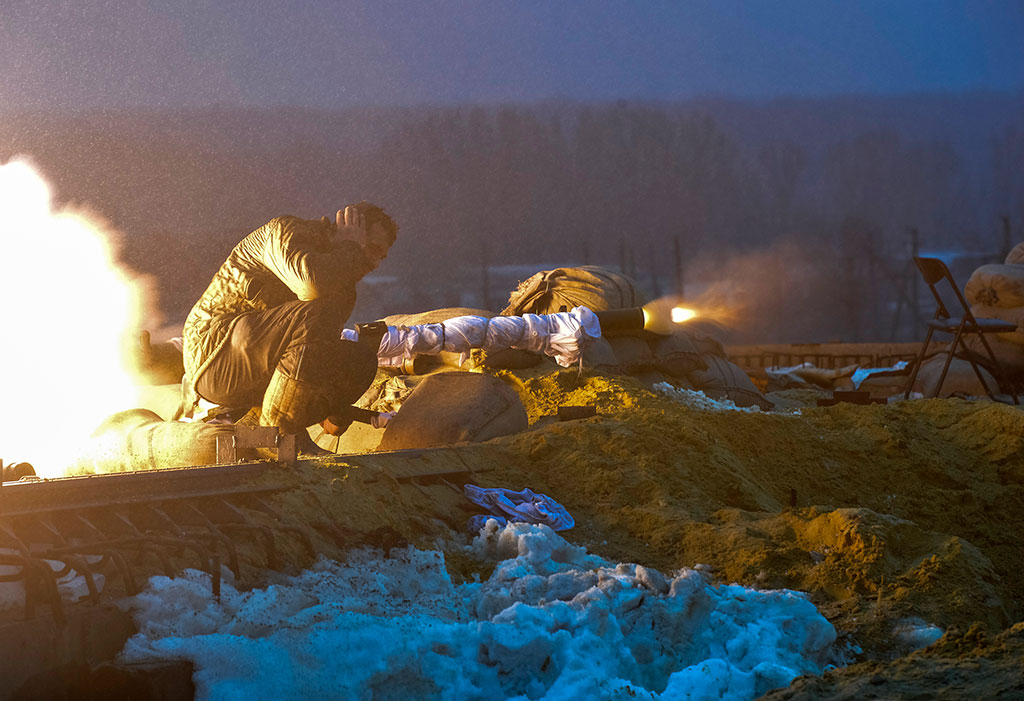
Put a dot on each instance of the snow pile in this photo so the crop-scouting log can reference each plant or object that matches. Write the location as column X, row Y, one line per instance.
column 914, row 633
column 551, row 621
column 698, row 400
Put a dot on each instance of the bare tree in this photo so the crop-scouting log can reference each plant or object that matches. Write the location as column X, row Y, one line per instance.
column 782, row 164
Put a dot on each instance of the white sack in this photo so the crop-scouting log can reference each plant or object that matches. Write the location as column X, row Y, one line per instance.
column 996, row 286
column 1011, row 315
column 1016, row 256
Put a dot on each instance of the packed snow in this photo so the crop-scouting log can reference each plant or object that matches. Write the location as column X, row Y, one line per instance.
column 915, row 633
column 551, row 621
column 696, row 399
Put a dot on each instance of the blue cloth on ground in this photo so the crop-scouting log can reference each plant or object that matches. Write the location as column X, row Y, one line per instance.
column 526, row 506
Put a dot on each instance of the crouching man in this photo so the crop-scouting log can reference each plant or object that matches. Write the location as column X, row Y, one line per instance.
column 266, row 333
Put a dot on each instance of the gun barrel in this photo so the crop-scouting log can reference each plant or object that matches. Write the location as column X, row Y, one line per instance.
column 620, row 320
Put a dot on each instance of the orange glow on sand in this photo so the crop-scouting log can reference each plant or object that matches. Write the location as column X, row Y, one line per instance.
column 67, row 312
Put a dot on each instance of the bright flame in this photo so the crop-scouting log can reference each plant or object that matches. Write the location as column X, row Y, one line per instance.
column 664, row 315
column 66, row 312
column 681, row 315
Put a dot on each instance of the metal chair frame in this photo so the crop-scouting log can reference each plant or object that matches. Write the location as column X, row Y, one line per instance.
column 934, row 271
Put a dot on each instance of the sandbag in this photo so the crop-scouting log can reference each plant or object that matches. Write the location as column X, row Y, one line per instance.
column 453, row 407
column 632, row 353
column 357, row 439
column 704, row 343
column 434, row 316
column 960, row 378
column 678, row 383
column 594, row 287
column 1010, row 355
column 725, row 380
column 510, row 359
column 139, row 439
column 996, row 286
column 886, row 384
column 676, row 355
column 599, row 354
column 507, row 359
column 1016, row 255
column 162, row 400
column 387, row 393
column 1013, row 315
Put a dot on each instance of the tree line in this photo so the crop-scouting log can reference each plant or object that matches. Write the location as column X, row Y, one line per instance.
column 620, row 184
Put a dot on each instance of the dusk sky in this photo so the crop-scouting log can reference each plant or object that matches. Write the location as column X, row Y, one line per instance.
column 71, row 54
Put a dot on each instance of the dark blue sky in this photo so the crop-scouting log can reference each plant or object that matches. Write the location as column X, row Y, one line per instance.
column 67, row 54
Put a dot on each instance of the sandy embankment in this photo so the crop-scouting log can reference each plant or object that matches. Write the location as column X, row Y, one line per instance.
column 906, row 516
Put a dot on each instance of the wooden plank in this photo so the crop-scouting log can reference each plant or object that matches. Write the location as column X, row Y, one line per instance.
column 64, row 493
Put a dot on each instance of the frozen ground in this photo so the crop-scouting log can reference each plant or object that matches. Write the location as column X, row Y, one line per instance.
column 551, row 621
column 696, row 399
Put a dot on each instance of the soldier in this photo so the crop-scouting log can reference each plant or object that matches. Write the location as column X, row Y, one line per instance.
column 267, row 330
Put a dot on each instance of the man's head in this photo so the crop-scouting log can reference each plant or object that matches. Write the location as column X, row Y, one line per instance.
column 370, row 227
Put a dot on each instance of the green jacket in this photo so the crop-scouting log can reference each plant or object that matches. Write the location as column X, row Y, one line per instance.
column 286, row 259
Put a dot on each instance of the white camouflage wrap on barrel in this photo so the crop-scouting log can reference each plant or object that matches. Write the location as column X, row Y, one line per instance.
column 562, row 336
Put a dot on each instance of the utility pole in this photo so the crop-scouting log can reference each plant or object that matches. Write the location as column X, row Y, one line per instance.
column 908, row 278
column 876, row 307
column 677, row 256
column 655, row 285
column 1007, row 242
column 915, row 299
column 485, row 277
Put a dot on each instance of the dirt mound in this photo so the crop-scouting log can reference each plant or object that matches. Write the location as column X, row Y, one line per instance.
column 880, row 512
column 963, row 664
column 900, row 521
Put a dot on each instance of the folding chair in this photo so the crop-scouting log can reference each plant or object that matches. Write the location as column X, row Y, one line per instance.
column 934, row 271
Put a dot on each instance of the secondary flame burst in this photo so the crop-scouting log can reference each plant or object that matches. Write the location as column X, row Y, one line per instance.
column 67, row 311
column 681, row 315
column 664, row 315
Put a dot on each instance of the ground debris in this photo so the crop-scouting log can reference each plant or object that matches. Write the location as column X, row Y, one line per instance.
column 963, row 664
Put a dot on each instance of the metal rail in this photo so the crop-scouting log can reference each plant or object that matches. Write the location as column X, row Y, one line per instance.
column 110, row 524
column 113, row 524
column 754, row 358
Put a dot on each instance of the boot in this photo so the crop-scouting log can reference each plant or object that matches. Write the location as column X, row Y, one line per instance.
column 292, row 405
